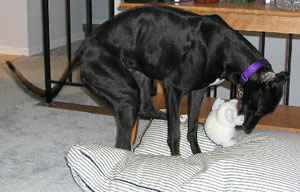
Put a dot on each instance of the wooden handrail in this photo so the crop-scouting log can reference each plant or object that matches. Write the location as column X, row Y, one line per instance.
column 250, row 16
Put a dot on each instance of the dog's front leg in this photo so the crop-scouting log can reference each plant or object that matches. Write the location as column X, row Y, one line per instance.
column 173, row 99
column 194, row 103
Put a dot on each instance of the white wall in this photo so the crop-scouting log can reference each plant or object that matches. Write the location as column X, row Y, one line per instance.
column 21, row 24
column 100, row 11
column 13, row 23
column 276, row 48
column 117, row 2
column 57, row 20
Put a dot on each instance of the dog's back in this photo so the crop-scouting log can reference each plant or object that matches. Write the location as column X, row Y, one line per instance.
column 165, row 34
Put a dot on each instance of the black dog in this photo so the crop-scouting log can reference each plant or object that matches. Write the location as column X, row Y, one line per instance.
column 187, row 52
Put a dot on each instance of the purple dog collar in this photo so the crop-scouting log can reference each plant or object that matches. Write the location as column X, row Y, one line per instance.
column 251, row 69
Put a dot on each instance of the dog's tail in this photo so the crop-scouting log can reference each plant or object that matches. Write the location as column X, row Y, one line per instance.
column 41, row 92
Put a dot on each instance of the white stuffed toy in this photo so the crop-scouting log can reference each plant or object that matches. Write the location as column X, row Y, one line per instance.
column 221, row 122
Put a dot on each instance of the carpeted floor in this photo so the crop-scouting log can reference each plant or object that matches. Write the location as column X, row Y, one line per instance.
column 34, row 140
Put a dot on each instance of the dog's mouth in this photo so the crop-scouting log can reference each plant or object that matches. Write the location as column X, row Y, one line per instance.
column 246, row 126
column 251, row 120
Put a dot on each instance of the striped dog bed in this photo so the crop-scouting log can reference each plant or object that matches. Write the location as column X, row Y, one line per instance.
column 265, row 160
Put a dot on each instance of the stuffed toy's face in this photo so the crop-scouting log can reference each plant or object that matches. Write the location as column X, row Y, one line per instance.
column 227, row 113
column 220, row 123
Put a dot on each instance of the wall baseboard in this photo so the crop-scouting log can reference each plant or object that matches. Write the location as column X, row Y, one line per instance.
column 10, row 50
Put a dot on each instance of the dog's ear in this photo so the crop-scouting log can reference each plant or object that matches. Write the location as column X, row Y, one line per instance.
column 267, row 77
column 282, row 77
column 270, row 77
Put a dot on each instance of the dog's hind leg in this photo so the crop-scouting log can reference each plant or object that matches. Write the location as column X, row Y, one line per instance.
column 104, row 76
column 126, row 116
column 147, row 110
column 194, row 103
column 126, row 107
column 173, row 98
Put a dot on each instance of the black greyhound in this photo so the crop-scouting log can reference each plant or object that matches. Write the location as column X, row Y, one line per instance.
column 187, row 52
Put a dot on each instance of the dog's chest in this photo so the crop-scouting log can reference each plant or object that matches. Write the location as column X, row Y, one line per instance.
column 216, row 82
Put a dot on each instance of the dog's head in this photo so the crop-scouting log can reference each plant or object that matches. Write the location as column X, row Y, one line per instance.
column 261, row 98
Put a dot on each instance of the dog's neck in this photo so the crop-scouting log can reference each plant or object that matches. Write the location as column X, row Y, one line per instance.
column 251, row 69
column 238, row 56
column 248, row 72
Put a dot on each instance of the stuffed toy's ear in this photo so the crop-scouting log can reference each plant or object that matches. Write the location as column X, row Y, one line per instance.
column 234, row 102
column 217, row 104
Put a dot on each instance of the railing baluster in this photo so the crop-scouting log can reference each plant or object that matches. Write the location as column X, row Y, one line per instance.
column 69, row 40
column 111, row 8
column 263, row 42
column 288, row 68
column 89, row 20
column 208, row 92
column 46, row 49
column 215, row 91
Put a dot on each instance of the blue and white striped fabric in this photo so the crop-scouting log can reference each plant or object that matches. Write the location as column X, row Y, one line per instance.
column 265, row 160
column 99, row 168
column 154, row 140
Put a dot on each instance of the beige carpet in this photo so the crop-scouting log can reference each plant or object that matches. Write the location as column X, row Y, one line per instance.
column 34, row 140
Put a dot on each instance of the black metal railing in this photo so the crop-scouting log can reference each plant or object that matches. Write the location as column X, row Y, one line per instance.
column 46, row 40
column 89, row 22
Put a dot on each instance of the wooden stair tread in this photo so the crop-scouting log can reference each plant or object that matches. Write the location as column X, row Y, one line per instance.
column 286, row 118
column 283, row 118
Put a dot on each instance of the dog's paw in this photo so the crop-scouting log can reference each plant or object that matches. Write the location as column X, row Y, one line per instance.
column 153, row 114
